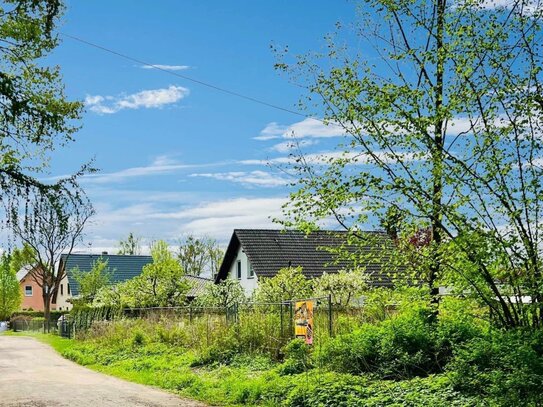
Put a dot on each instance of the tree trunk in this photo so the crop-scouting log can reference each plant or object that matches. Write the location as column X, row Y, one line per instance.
column 437, row 156
column 46, row 311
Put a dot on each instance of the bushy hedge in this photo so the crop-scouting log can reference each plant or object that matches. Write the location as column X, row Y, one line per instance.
column 411, row 344
column 55, row 315
column 506, row 367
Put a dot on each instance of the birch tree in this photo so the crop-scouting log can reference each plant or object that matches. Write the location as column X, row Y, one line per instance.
column 442, row 120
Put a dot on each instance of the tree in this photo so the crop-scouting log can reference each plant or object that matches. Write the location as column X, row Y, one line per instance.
column 161, row 283
column 343, row 287
column 10, row 292
column 35, row 116
column 288, row 284
column 224, row 294
column 51, row 227
column 90, row 283
column 200, row 256
column 442, row 120
column 131, row 246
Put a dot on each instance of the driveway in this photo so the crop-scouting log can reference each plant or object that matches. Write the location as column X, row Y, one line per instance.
column 34, row 375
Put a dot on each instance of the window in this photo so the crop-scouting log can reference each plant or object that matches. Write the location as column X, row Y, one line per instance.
column 28, row 291
column 68, row 288
column 239, row 270
column 61, row 289
column 250, row 271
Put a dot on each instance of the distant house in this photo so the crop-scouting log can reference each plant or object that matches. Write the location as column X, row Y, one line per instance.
column 260, row 253
column 123, row 268
column 32, row 293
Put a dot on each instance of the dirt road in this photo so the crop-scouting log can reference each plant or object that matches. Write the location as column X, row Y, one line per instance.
column 34, row 375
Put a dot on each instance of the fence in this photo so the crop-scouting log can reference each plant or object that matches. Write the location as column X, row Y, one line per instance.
column 263, row 326
column 256, row 321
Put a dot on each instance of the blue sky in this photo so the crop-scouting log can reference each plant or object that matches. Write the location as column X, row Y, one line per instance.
column 177, row 157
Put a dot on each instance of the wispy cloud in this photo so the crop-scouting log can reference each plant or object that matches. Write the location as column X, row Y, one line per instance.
column 166, row 67
column 148, row 99
column 252, row 178
column 161, row 165
column 219, row 218
column 306, row 128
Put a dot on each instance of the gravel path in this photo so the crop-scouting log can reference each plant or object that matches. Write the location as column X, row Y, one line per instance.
column 32, row 374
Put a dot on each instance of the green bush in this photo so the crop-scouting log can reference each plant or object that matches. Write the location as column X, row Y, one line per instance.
column 297, row 358
column 411, row 344
column 506, row 367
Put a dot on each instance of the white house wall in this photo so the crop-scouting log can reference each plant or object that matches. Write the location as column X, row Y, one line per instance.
column 248, row 283
column 62, row 304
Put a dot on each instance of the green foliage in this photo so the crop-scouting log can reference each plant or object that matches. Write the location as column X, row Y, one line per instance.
column 91, row 282
column 506, row 367
column 297, row 358
column 130, row 246
column 442, row 143
column 407, row 345
column 35, row 115
column 10, row 292
column 225, row 294
column 288, row 284
column 159, row 285
column 343, row 287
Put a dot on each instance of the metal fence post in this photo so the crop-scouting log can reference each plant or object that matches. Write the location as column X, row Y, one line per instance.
column 330, row 327
column 291, row 323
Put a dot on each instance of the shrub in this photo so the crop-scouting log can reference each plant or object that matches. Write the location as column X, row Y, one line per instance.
column 408, row 345
column 297, row 358
column 504, row 366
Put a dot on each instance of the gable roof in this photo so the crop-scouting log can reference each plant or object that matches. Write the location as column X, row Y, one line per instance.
column 271, row 250
column 122, row 267
column 198, row 285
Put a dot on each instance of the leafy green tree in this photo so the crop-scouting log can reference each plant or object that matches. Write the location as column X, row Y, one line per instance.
column 35, row 115
column 343, row 287
column 288, row 284
column 224, row 294
column 161, row 283
column 442, row 120
column 10, row 292
column 90, row 283
column 200, row 255
column 131, row 246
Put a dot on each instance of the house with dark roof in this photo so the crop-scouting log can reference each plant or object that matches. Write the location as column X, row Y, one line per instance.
column 260, row 253
column 122, row 267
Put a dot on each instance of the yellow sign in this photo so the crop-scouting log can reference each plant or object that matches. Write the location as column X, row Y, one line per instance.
column 303, row 320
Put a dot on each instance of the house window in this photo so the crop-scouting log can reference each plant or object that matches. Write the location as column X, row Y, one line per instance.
column 239, row 270
column 68, row 288
column 250, row 271
column 28, row 291
column 61, row 289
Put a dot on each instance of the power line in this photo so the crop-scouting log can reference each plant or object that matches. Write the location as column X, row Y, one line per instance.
column 188, row 78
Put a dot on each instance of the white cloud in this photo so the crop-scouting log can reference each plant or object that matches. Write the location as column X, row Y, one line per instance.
column 153, row 98
column 219, row 218
column 161, row 165
column 253, row 178
column 166, row 67
column 305, row 129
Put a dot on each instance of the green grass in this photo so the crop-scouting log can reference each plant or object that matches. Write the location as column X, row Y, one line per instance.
column 252, row 380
